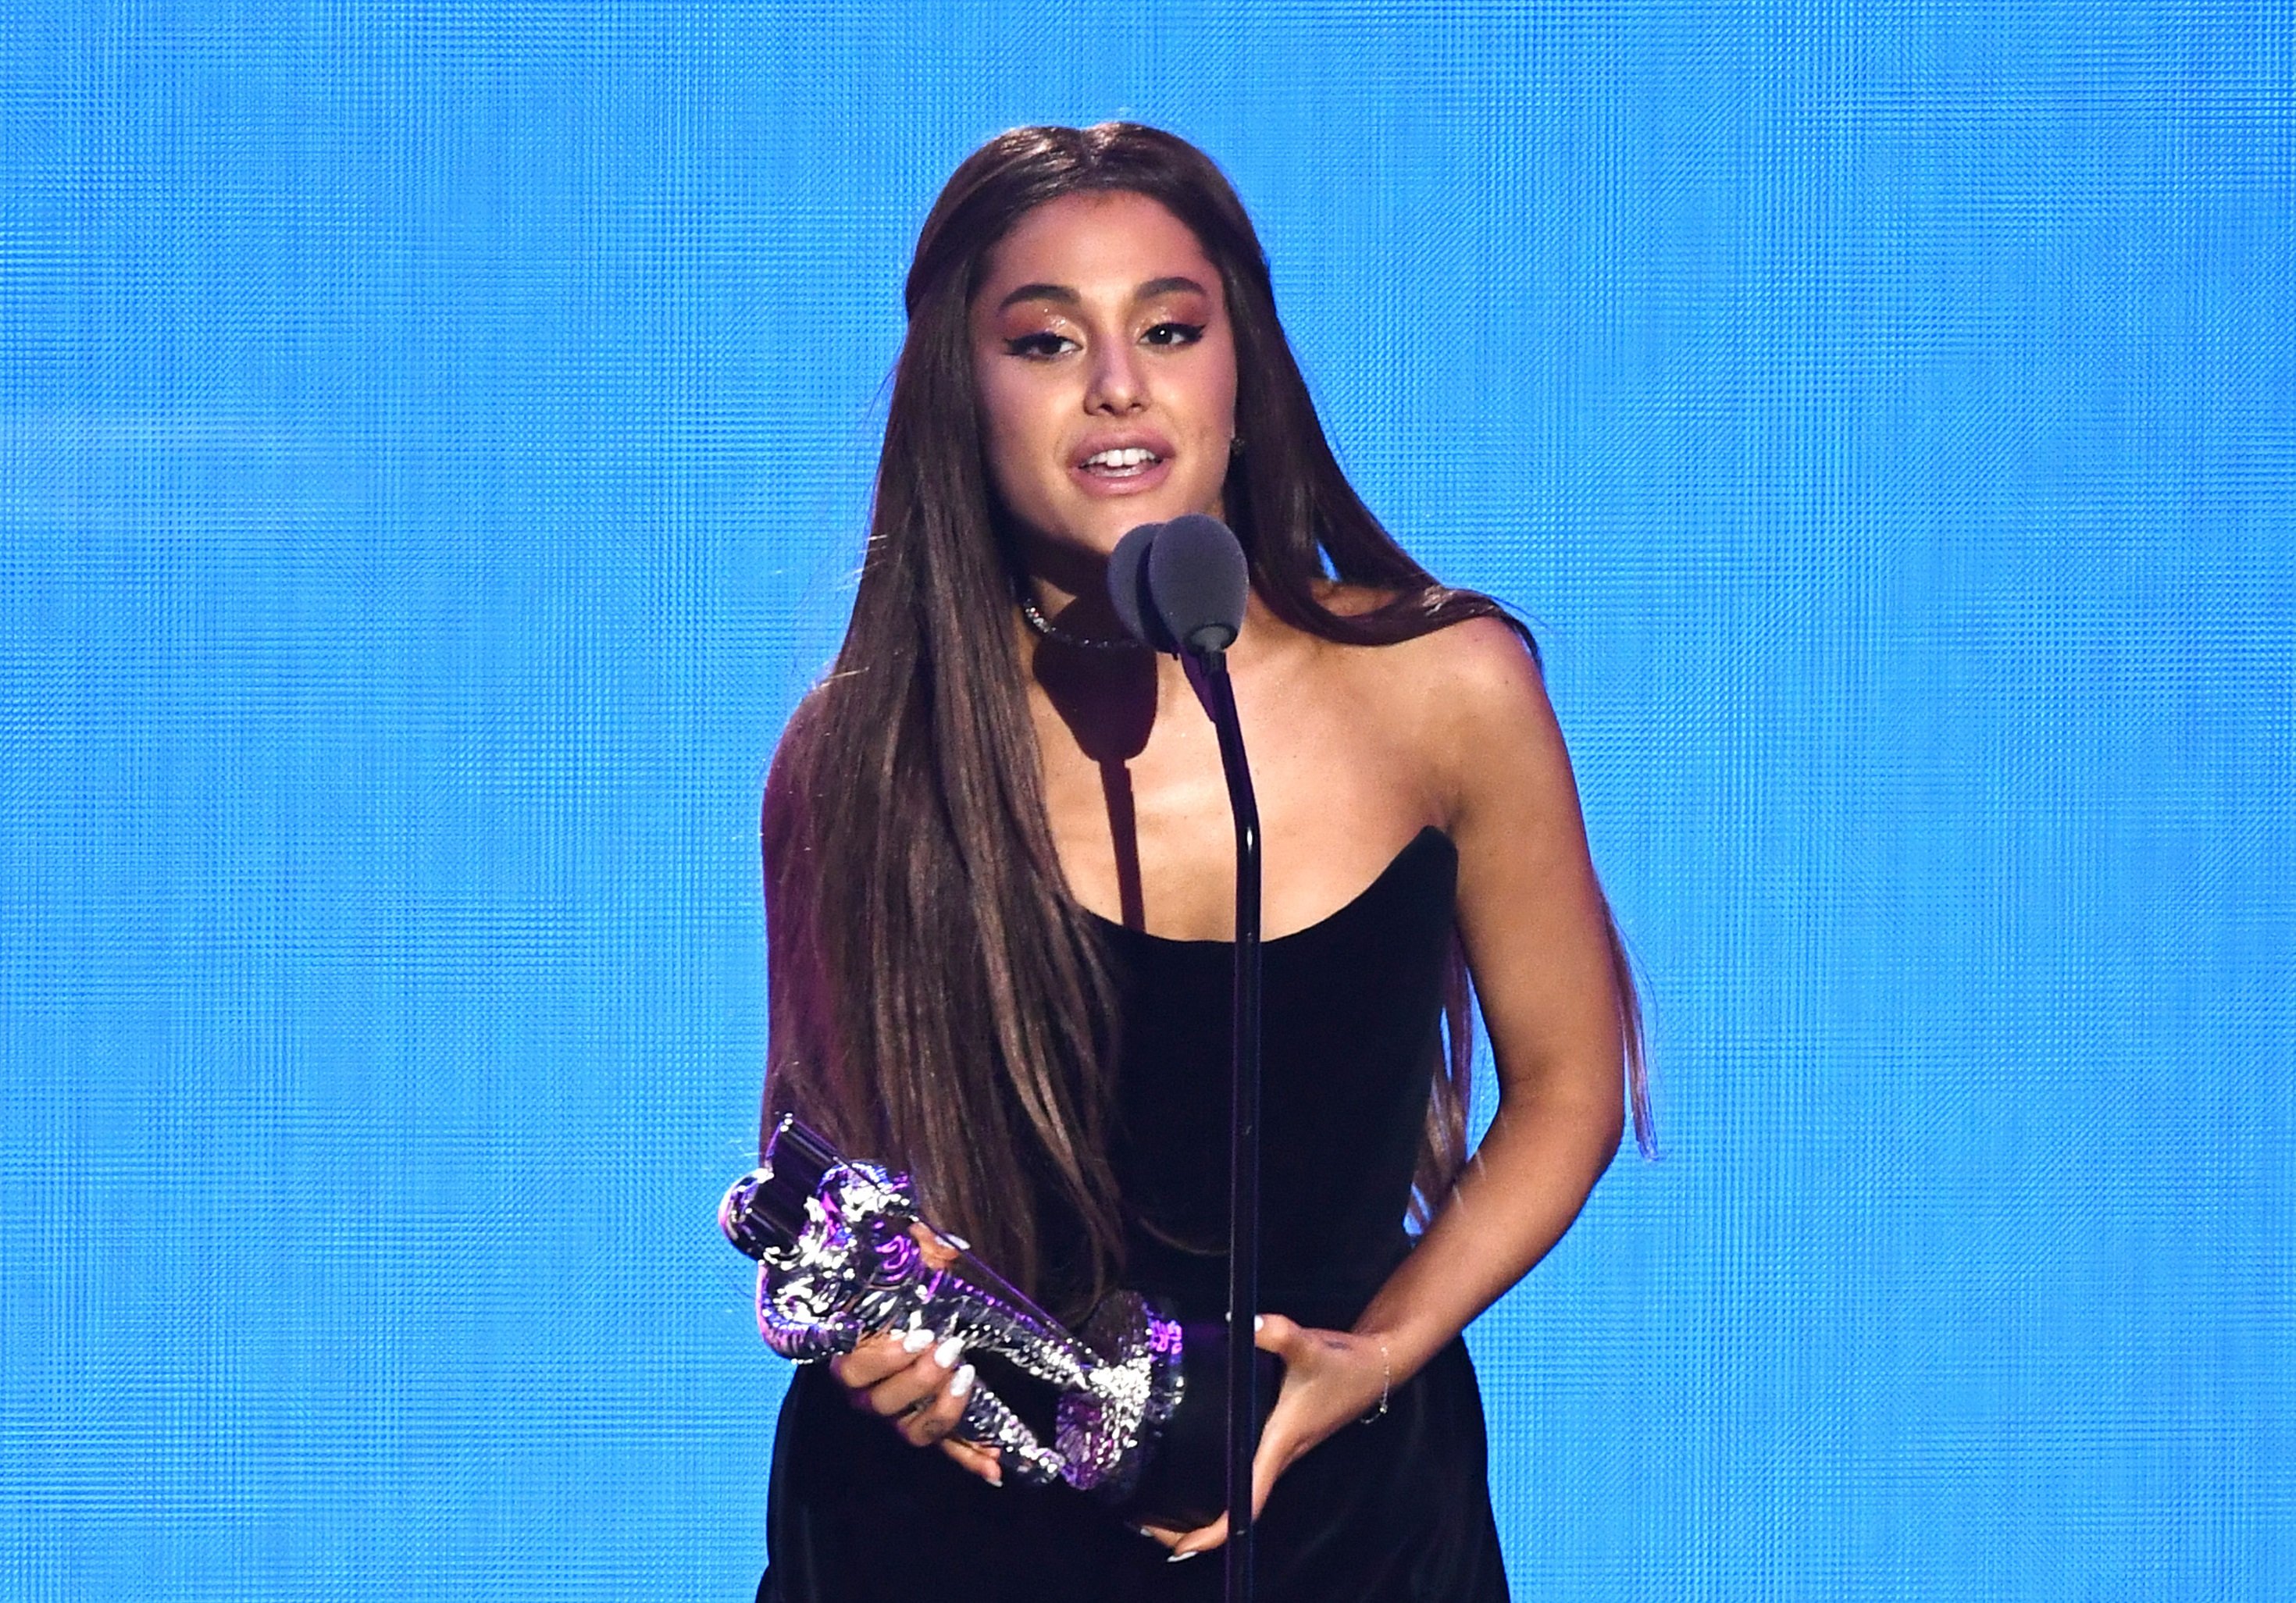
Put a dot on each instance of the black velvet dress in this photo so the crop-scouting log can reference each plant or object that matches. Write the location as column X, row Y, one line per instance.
column 1395, row 1509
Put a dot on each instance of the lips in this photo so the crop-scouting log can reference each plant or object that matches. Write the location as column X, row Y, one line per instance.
column 1128, row 459
column 1120, row 463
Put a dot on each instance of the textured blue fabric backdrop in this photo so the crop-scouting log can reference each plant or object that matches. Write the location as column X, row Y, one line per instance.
column 433, row 446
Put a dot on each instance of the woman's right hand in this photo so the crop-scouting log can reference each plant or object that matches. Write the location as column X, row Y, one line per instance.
column 917, row 1386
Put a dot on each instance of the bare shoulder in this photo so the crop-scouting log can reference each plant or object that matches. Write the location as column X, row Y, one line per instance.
column 1487, row 659
column 1470, row 703
column 1462, row 677
column 1350, row 599
column 1484, row 665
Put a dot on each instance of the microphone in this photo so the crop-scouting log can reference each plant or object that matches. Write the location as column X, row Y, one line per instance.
column 1127, row 589
column 1180, row 585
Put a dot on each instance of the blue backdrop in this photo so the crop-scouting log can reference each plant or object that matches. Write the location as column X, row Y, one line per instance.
column 434, row 442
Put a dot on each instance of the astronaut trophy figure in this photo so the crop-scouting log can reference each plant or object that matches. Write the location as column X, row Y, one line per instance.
column 842, row 1253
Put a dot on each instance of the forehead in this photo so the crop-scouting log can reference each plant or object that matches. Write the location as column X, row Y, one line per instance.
column 1110, row 242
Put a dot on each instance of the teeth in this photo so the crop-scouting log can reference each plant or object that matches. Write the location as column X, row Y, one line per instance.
column 1130, row 456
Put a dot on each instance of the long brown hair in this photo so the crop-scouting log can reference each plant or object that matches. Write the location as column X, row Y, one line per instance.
column 936, row 998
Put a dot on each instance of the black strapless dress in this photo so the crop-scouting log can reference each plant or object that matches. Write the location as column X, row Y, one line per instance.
column 1391, row 1510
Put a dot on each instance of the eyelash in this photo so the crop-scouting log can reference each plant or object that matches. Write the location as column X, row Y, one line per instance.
column 1044, row 344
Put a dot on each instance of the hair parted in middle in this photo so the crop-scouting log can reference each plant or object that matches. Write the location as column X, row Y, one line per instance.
column 938, row 999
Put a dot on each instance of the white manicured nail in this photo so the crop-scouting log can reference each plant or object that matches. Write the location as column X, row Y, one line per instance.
column 946, row 1353
column 1176, row 1558
column 917, row 1341
column 961, row 1382
column 1256, row 1323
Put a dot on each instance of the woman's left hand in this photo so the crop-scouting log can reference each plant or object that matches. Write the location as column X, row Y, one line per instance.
column 1330, row 1380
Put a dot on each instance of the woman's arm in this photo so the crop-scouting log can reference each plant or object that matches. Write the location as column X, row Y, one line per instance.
column 1538, row 938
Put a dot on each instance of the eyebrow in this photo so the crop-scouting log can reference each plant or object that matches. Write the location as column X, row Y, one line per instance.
column 1064, row 296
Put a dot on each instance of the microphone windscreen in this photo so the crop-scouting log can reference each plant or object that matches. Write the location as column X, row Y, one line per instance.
column 1127, row 588
column 1197, row 582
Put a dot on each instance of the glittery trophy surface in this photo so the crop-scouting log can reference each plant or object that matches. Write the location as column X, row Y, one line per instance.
column 840, row 1251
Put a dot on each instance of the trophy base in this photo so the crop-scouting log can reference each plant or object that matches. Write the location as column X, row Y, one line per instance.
column 1183, row 1481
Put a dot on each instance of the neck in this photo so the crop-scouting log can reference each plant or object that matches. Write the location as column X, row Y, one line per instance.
column 1069, row 586
column 1073, row 599
column 1077, row 610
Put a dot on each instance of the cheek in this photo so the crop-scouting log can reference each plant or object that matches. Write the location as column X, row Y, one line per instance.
column 1219, row 385
column 1006, row 423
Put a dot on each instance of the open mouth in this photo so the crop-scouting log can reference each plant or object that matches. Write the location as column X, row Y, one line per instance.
column 1128, row 461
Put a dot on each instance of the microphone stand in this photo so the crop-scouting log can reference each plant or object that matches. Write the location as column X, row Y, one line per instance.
column 1219, row 696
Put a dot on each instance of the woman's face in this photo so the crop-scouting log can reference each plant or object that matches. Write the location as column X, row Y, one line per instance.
column 1105, row 366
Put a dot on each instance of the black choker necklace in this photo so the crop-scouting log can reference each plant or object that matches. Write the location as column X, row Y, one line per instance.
column 1053, row 632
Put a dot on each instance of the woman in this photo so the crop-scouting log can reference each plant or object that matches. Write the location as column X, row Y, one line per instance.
column 999, row 876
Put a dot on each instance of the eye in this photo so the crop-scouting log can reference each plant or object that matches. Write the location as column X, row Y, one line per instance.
column 1040, row 346
column 1174, row 333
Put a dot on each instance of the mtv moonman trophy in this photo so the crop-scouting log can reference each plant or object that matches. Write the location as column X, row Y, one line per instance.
column 839, row 1259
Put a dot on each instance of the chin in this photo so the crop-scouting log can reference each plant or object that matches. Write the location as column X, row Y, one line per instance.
column 1099, row 535
column 1095, row 529
column 1120, row 519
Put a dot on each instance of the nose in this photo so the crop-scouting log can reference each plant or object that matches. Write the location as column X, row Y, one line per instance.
column 1117, row 383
